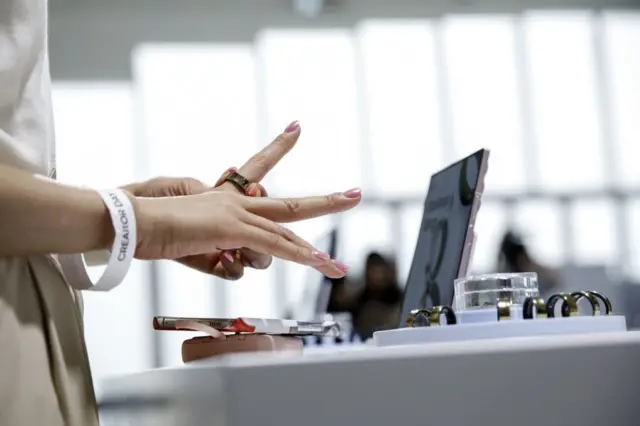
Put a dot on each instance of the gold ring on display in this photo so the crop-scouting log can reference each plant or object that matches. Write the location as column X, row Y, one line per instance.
column 415, row 315
column 569, row 305
column 530, row 303
column 608, row 308
column 504, row 309
column 239, row 181
column 593, row 301
column 437, row 311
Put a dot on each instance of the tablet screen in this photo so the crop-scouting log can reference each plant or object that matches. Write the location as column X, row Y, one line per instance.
column 446, row 233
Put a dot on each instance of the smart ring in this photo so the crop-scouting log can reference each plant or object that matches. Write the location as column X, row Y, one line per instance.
column 437, row 311
column 608, row 308
column 504, row 309
column 530, row 303
column 569, row 305
column 418, row 318
column 593, row 300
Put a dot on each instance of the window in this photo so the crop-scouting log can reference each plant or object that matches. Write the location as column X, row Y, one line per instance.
column 400, row 107
column 565, row 107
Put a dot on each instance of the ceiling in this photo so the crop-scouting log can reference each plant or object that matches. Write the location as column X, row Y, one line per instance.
column 93, row 39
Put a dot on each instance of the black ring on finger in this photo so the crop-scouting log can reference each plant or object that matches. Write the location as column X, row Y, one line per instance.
column 239, row 181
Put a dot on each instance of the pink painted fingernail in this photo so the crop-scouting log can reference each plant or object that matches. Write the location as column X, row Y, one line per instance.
column 321, row 256
column 353, row 193
column 228, row 256
column 254, row 190
column 292, row 127
column 344, row 268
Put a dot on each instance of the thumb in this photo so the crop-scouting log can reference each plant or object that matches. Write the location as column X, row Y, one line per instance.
column 169, row 187
column 189, row 186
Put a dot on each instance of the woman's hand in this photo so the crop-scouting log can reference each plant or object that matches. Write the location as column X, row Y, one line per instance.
column 224, row 263
column 182, row 227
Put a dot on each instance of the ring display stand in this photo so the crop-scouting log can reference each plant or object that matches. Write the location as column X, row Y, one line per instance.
column 493, row 306
column 500, row 329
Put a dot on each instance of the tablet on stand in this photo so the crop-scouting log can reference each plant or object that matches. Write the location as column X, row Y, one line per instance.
column 445, row 241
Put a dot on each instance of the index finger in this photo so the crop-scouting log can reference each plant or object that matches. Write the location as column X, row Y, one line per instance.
column 260, row 164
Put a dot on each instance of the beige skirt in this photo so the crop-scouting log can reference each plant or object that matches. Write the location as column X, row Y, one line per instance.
column 45, row 377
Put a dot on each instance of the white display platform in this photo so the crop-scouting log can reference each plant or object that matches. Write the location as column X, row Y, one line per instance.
column 501, row 329
column 586, row 380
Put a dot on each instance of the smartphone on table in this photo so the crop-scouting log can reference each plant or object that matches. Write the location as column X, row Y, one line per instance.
column 247, row 325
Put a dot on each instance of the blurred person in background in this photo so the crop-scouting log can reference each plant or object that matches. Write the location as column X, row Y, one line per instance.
column 377, row 306
column 342, row 297
column 45, row 376
column 515, row 256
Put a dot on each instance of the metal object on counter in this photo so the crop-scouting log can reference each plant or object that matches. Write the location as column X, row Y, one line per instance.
column 569, row 306
column 431, row 317
column 534, row 302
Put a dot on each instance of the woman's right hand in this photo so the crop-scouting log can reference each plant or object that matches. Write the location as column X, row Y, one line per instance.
column 176, row 227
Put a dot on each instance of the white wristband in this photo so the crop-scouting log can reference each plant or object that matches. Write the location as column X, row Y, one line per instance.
column 124, row 247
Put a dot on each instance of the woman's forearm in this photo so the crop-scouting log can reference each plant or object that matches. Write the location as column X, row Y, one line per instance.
column 38, row 215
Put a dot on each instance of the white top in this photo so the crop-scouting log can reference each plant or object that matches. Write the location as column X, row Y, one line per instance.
column 26, row 119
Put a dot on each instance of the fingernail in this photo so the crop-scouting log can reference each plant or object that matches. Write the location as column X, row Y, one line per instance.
column 228, row 256
column 353, row 193
column 292, row 127
column 344, row 268
column 321, row 256
column 253, row 191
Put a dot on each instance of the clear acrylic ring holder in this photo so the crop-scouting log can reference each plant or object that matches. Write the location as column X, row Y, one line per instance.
column 477, row 297
column 503, row 305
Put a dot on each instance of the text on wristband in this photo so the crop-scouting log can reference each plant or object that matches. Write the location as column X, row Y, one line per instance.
column 124, row 221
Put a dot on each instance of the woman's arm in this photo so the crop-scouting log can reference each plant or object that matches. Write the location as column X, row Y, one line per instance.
column 38, row 215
